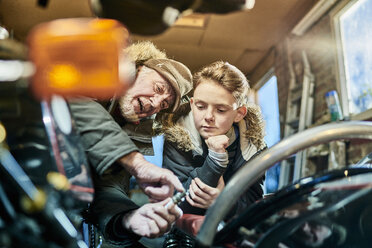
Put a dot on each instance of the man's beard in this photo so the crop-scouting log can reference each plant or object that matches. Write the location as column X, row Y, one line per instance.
column 127, row 110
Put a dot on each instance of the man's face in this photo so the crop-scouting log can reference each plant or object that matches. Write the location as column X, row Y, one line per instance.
column 149, row 94
column 214, row 109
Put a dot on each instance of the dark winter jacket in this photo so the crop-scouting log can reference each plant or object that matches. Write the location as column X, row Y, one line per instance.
column 186, row 154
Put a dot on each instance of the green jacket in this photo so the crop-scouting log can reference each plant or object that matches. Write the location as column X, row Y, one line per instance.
column 105, row 142
column 107, row 137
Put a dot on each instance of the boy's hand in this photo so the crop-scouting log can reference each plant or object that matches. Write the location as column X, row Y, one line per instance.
column 218, row 143
column 201, row 195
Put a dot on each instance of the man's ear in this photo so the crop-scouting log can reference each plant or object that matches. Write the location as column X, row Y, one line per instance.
column 191, row 102
column 242, row 112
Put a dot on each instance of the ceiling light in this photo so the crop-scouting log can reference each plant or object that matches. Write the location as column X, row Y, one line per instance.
column 249, row 4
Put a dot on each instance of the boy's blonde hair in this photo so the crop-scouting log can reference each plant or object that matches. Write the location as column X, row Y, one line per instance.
column 235, row 82
column 228, row 76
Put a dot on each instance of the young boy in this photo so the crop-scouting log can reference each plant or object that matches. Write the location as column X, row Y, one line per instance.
column 210, row 138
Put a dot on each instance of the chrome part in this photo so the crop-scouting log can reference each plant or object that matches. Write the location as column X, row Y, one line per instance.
column 244, row 178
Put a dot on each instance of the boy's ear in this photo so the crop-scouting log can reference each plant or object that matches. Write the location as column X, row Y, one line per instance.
column 191, row 102
column 242, row 112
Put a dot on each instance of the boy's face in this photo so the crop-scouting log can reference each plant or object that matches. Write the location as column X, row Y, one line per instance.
column 214, row 109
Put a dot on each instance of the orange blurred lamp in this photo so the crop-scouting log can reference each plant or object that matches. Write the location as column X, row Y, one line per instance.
column 79, row 57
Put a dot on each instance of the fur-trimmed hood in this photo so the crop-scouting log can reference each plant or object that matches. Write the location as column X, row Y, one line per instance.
column 179, row 128
column 142, row 51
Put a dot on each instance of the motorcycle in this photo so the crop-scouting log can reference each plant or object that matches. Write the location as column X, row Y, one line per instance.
column 327, row 210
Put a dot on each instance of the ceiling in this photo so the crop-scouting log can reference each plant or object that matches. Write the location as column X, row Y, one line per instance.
column 242, row 38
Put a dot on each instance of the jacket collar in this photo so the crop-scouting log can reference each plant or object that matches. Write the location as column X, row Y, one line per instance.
column 247, row 148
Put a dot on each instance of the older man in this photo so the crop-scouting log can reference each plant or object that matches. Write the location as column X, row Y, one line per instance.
column 108, row 138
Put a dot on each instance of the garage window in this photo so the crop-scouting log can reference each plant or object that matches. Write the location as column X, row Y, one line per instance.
column 267, row 99
column 353, row 31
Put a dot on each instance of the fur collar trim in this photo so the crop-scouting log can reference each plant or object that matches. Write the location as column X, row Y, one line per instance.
column 251, row 133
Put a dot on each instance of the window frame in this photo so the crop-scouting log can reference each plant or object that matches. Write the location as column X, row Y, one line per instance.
column 255, row 89
column 266, row 77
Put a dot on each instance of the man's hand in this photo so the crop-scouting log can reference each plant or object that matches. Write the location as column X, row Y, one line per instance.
column 152, row 219
column 157, row 183
column 201, row 195
column 218, row 143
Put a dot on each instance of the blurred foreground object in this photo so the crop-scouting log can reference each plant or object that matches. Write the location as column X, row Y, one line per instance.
column 81, row 56
column 152, row 17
